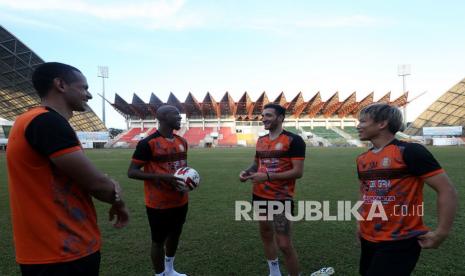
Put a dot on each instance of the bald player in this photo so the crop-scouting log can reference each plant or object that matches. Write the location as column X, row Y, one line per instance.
column 155, row 160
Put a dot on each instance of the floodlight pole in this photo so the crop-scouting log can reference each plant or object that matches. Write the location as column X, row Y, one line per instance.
column 103, row 73
column 403, row 71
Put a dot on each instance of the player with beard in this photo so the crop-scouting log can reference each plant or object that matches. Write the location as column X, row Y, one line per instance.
column 279, row 161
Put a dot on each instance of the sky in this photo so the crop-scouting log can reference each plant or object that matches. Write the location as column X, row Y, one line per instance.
column 202, row 46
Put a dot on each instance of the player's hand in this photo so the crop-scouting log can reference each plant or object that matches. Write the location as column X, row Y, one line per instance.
column 178, row 183
column 258, row 177
column 119, row 210
column 173, row 180
column 244, row 176
column 181, row 186
column 431, row 240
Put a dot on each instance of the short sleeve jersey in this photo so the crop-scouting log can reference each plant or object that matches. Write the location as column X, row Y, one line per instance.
column 395, row 177
column 54, row 220
column 275, row 156
column 160, row 155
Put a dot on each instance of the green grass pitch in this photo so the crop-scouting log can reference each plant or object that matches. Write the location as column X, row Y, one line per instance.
column 213, row 243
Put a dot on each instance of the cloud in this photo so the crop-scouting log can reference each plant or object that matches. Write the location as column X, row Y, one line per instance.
column 286, row 24
column 151, row 14
column 339, row 21
column 29, row 22
column 146, row 9
column 290, row 25
column 174, row 15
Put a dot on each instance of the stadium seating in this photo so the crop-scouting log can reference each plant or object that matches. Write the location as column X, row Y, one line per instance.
column 292, row 129
column 130, row 137
column 151, row 131
column 352, row 131
column 195, row 134
column 248, row 139
column 227, row 137
column 323, row 132
column 131, row 134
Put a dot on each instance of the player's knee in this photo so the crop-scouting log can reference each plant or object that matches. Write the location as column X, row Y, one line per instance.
column 285, row 245
column 266, row 231
column 267, row 234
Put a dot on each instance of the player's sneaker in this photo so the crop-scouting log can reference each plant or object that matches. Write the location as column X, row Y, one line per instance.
column 174, row 273
column 325, row 271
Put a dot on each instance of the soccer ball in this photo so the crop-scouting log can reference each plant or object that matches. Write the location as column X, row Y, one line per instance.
column 190, row 176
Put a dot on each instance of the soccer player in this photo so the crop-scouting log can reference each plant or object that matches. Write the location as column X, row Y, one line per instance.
column 279, row 161
column 166, row 199
column 52, row 182
column 393, row 173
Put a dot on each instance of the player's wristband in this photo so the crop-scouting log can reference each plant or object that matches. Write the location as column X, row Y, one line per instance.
column 117, row 195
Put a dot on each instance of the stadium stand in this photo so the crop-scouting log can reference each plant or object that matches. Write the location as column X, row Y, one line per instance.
column 325, row 133
column 17, row 95
column 150, row 131
column 229, row 123
column 227, row 137
column 352, row 131
column 195, row 135
column 17, row 62
column 246, row 139
column 448, row 110
column 129, row 136
column 292, row 129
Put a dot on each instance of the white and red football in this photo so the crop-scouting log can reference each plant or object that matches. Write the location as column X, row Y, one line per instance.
column 190, row 176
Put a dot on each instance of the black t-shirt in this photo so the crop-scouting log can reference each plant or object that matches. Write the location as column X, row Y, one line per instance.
column 50, row 132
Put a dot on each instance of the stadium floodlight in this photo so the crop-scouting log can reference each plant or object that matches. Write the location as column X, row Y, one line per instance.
column 403, row 70
column 103, row 73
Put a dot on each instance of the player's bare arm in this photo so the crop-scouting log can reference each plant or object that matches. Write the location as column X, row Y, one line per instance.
column 447, row 208
column 95, row 183
column 295, row 173
column 245, row 174
column 135, row 172
column 88, row 177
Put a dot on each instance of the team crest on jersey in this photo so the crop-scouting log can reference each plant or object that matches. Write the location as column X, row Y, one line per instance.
column 278, row 146
column 181, row 147
column 386, row 162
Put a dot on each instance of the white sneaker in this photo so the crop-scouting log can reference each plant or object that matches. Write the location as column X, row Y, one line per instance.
column 325, row 271
column 174, row 273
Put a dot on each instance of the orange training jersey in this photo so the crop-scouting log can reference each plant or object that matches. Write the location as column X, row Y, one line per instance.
column 54, row 220
column 163, row 156
column 275, row 156
column 394, row 177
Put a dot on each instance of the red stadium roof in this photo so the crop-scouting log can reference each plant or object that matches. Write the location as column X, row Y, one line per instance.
column 247, row 110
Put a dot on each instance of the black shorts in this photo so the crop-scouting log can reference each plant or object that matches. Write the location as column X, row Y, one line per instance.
column 88, row 266
column 264, row 208
column 389, row 258
column 165, row 222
